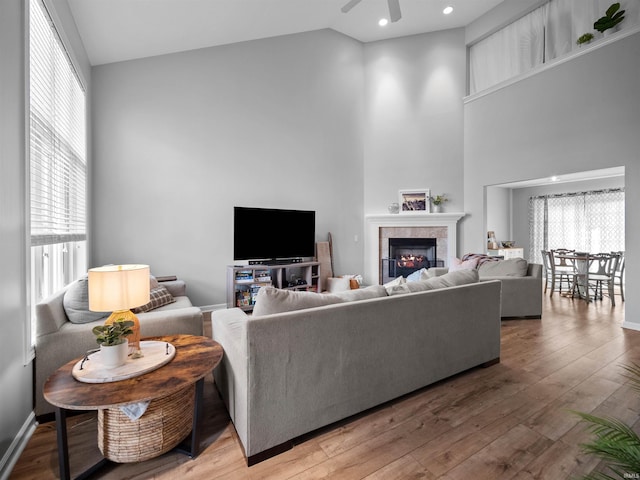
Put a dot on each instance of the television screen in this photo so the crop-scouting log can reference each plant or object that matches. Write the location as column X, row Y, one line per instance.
column 265, row 233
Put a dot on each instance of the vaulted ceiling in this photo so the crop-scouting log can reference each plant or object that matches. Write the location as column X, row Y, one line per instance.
column 117, row 30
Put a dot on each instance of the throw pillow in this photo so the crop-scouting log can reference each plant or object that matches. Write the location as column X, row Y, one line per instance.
column 513, row 267
column 418, row 275
column 158, row 297
column 272, row 300
column 76, row 303
column 451, row 279
column 400, row 289
column 153, row 282
column 396, row 281
column 457, row 264
column 338, row 284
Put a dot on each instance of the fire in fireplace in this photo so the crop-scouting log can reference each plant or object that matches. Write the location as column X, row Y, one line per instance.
column 407, row 255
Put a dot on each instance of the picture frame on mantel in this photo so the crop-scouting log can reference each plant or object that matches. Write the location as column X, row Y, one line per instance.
column 416, row 200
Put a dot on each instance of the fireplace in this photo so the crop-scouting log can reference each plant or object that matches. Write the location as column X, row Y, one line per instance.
column 408, row 255
column 379, row 229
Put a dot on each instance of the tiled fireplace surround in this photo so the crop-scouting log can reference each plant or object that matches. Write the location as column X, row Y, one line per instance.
column 379, row 228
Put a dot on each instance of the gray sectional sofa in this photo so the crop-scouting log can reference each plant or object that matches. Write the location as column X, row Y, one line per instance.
column 521, row 286
column 286, row 374
column 59, row 341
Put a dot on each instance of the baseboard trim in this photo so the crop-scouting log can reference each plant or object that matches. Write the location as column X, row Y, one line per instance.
column 631, row 325
column 10, row 458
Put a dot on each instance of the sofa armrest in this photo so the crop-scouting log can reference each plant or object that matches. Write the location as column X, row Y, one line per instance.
column 177, row 288
column 229, row 328
column 534, row 270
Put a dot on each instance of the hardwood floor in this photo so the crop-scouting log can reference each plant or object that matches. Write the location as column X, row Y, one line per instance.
column 512, row 420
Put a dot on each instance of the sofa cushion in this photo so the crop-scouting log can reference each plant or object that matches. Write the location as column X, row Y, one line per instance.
column 418, row 275
column 275, row 300
column 373, row 291
column 457, row 264
column 158, row 297
column 451, row 279
column 76, row 303
column 513, row 267
column 389, row 286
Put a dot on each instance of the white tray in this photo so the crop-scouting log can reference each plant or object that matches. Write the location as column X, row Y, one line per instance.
column 155, row 354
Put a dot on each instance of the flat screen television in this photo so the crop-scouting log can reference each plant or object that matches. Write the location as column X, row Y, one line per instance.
column 273, row 234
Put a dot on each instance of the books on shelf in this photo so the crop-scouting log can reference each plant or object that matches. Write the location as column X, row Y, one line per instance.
column 247, row 297
column 251, row 276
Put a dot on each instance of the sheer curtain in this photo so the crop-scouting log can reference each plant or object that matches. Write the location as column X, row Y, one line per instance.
column 513, row 50
column 540, row 36
column 586, row 221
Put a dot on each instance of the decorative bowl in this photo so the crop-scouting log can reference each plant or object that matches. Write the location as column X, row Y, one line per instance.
column 508, row 244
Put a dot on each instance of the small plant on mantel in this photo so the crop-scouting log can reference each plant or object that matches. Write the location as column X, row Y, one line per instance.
column 439, row 199
column 114, row 333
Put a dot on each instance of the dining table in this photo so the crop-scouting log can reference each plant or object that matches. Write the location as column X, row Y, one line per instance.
column 581, row 262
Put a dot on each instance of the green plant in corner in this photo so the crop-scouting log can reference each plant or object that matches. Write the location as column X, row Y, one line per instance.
column 615, row 442
column 114, row 333
column 438, row 199
column 584, row 38
column 613, row 16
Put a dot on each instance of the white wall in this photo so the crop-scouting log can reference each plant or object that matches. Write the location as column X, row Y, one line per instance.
column 580, row 115
column 413, row 135
column 499, row 215
column 15, row 377
column 180, row 139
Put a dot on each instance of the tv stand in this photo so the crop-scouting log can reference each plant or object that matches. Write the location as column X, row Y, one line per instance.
column 243, row 282
column 276, row 261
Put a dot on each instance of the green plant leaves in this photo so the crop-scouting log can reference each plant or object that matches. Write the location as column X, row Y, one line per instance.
column 613, row 16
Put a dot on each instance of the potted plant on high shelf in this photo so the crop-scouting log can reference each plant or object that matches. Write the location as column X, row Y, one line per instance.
column 114, row 346
column 437, row 202
column 584, row 38
column 612, row 17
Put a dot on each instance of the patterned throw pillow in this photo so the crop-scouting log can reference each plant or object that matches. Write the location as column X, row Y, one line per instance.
column 158, row 297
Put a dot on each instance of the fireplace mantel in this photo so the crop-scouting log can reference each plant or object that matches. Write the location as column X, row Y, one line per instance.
column 373, row 223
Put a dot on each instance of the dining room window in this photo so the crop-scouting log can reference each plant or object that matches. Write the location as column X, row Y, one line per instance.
column 584, row 221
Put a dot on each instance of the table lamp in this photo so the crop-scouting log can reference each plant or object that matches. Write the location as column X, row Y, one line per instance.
column 118, row 288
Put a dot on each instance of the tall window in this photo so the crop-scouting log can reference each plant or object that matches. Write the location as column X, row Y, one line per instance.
column 57, row 146
column 586, row 221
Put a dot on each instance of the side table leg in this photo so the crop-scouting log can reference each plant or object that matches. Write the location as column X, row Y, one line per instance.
column 63, row 447
column 197, row 413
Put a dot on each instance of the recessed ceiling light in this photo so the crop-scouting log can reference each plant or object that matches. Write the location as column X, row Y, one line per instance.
column 554, row 178
column 382, row 22
column 447, row 10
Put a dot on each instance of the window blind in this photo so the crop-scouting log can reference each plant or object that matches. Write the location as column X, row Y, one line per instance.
column 57, row 137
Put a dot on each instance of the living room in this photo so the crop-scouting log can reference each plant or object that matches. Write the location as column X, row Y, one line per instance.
column 310, row 120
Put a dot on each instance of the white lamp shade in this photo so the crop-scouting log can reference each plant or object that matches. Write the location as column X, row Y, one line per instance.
column 118, row 287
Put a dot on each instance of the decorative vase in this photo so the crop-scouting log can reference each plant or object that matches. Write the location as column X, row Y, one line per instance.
column 393, row 208
column 437, row 208
column 113, row 356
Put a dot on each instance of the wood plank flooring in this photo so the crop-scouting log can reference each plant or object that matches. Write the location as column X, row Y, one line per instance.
column 508, row 421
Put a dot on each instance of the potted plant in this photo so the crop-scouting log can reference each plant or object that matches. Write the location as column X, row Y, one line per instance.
column 114, row 346
column 584, row 38
column 437, row 201
column 613, row 16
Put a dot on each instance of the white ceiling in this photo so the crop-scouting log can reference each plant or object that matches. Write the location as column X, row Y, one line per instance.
column 117, row 30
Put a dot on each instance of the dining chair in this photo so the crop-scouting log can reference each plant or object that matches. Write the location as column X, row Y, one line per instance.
column 546, row 268
column 601, row 272
column 618, row 276
column 562, row 269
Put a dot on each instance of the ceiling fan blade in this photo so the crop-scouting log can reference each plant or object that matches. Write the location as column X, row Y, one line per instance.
column 350, row 5
column 394, row 10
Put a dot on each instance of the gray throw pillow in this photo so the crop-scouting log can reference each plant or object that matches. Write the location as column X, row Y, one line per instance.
column 513, row 267
column 76, row 303
column 451, row 279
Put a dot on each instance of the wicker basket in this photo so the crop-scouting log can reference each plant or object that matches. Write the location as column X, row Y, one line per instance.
column 166, row 422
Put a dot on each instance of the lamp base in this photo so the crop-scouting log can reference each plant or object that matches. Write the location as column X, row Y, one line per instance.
column 134, row 338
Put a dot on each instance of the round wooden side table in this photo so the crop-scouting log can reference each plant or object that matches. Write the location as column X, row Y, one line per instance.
column 195, row 357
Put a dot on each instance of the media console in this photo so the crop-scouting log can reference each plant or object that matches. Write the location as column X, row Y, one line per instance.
column 244, row 281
